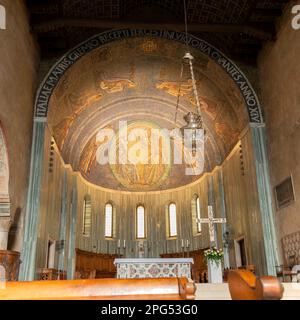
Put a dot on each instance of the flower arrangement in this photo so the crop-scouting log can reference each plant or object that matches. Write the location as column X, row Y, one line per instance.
column 214, row 254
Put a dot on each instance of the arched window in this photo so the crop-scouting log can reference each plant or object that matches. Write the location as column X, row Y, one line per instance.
column 140, row 222
column 172, row 220
column 87, row 216
column 196, row 214
column 108, row 220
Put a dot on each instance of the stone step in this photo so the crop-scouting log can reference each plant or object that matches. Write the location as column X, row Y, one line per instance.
column 208, row 291
column 291, row 291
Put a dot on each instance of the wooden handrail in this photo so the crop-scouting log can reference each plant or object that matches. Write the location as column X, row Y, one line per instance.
column 102, row 289
column 244, row 285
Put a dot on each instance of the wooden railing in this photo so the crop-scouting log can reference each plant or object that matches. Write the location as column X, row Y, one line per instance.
column 244, row 285
column 52, row 274
column 97, row 265
column 102, row 289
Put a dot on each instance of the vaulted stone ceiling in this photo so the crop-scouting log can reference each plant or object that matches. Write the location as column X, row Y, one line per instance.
column 237, row 27
column 136, row 80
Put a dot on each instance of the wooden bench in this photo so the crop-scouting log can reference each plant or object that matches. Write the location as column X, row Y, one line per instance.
column 102, row 289
column 244, row 285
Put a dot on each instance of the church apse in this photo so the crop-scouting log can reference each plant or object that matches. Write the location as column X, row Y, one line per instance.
column 138, row 83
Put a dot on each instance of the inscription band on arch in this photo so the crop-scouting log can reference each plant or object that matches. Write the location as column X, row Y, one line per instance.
column 53, row 77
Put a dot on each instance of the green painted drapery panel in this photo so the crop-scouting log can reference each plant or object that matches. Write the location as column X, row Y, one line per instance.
column 63, row 224
column 72, row 235
column 223, row 215
column 28, row 256
column 265, row 198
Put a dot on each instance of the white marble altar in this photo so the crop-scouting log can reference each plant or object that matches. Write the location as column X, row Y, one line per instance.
column 153, row 268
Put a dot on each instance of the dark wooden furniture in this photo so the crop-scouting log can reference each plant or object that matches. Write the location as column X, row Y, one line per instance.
column 102, row 289
column 97, row 265
column 286, row 271
column 199, row 268
column 10, row 260
column 52, row 274
column 244, row 285
column 283, row 272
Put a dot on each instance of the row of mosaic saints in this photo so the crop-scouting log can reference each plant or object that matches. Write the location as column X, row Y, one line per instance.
column 144, row 176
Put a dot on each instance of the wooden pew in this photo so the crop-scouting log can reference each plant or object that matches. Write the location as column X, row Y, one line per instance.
column 102, row 289
column 244, row 285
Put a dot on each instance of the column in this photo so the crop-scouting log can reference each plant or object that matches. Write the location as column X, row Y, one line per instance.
column 28, row 256
column 265, row 197
column 211, row 202
column 5, row 223
column 72, row 236
column 63, row 224
column 223, row 215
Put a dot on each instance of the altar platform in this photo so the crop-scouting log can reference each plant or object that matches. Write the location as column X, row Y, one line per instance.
column 153, row 268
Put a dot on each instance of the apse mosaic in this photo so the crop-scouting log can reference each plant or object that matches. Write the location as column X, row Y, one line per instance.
column 144, row 174
column 141, row 81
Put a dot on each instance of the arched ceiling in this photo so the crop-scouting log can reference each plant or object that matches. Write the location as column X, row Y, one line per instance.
column 137, row 80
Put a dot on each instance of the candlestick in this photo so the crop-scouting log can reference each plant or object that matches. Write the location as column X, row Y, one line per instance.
column 182, row 243
column 119, row 243
column 187, row 243
column 124, row 244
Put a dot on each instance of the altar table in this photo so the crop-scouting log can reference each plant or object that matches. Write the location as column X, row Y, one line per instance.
column 153, row 268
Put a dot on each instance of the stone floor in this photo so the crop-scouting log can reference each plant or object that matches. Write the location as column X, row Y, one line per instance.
column 221, row 291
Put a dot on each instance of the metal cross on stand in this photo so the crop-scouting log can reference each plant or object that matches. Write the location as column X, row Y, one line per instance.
column 211, row 223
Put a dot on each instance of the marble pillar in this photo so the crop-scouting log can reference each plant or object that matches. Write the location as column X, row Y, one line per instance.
column 211, row 202
column 5, row 223
column 72, row 235
column 63, row 224
column 223, row 215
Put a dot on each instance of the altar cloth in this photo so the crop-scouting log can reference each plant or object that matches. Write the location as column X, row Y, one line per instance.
column 153, row 268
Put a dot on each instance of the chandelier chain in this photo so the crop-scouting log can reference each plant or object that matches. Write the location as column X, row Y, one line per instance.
column 185, row 22
column 195, row 87
column 179, row 93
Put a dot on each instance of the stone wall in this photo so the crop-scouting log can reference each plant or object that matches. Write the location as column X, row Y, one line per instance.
column 18, row 74
column 279, row 68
